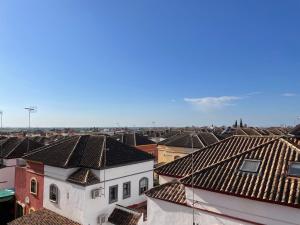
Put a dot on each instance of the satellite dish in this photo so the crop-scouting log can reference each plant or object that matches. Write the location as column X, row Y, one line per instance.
column 27, row 200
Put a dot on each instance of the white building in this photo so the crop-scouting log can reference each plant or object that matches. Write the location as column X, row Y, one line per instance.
column 241, row 180
column 86, row 176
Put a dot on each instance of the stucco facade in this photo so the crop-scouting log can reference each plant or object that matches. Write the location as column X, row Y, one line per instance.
column 168, row 154
column 24, row 197
column 84, row 208
column 216, row 208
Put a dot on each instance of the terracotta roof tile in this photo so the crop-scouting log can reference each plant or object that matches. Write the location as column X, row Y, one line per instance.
column 173, row 191
column 271, row 183
column 88, row 151
column 212, row 154
column 43, row 217
column 124, row 216
column 14, row 147
column 84, row 177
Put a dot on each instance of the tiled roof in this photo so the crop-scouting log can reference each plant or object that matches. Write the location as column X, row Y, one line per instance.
column 43, row 217
column 124, row 216
column 173, row 192
column 14, row 147
column 200, row 140
column 89, row 152
column 132, row 139
column 212, row 154
column 84, row 177
column 207, row 138
column 271, row 183
column 250, row 131
column 296, row 130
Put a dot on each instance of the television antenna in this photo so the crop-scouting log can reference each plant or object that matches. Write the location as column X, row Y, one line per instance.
column 30, row 109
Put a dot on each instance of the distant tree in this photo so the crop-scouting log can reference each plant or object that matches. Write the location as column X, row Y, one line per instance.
column 241, row 123
column 235, row 124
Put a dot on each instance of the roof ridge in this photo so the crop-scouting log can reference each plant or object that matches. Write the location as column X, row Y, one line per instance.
column 103, row 149
column 15, row 147
column 199, row 140
column 175, row 181
column 288, row 142
column 50, row 145
column 232, row 157
column 71, row 153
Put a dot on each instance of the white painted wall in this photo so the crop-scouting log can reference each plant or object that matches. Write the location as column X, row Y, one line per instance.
column 256, row 211
column 7, row 174
column 165, row 179
column 83, row 208
column 166, row 213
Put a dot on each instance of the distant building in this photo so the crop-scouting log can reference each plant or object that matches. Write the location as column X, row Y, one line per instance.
column 139, row 141
column 180, row 145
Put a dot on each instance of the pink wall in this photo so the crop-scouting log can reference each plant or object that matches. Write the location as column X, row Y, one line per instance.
column 23, row 176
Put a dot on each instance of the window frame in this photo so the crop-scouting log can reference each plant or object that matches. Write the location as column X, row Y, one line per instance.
column 110, row 200
column 36, row 186
column 129, row 194
column 147, row 185
column 251, row 160
column 57, row 193
column 289, row 168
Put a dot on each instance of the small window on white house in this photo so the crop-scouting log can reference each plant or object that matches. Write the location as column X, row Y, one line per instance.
column 294, row 169
column 126, row 190
column 250, row 166
column 53, row 193
column 33, row 186
column 113, row 194
column 143, row 185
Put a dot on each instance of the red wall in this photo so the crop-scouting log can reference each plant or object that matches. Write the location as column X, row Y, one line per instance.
column 23, row 176
column 151, row 149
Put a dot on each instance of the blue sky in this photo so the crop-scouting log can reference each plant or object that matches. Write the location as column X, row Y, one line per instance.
column 99, row 63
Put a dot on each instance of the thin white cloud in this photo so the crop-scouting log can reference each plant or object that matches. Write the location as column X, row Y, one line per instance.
column 254, row 93
column 212, row 103
column 288, row 94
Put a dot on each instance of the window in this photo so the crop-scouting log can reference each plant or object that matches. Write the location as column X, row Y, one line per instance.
column 33, row 186
column 113, row 194
column 143, row 185
column 294, row 169
column 126, row 190
column 53, row 193
column 250, row 166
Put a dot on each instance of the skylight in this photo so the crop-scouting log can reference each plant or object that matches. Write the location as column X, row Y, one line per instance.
column 250, row 166
column 294, row 169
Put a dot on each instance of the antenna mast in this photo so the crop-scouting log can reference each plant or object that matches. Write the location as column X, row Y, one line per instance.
column 30, row 109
